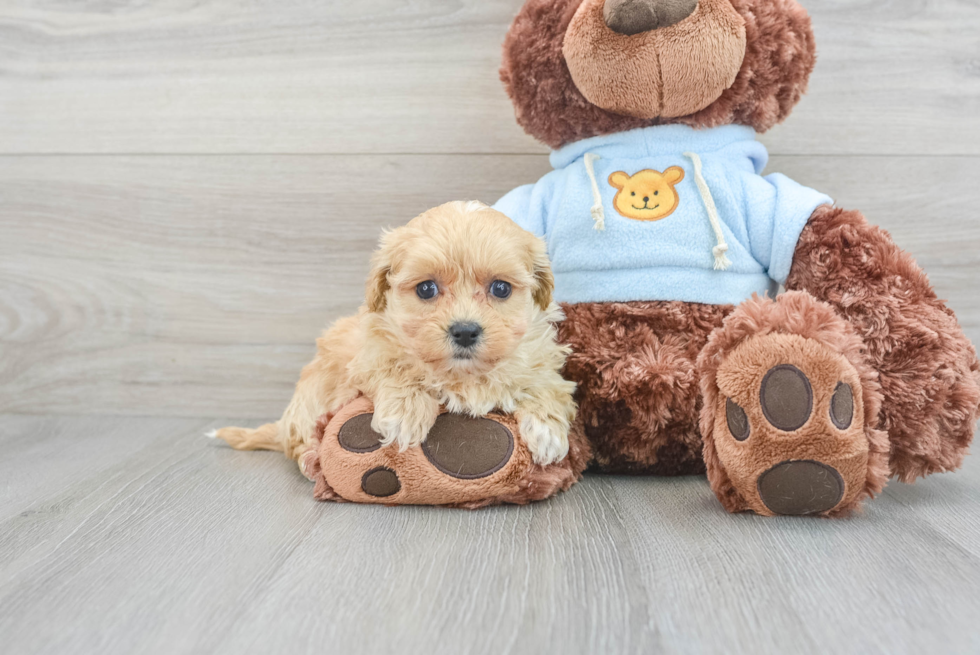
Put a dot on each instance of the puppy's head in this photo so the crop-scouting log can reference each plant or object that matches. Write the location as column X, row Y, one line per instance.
column 460, row 285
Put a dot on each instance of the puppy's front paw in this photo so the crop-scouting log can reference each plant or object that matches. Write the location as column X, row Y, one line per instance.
column 308, row 464
column 405, row 421
column 547, row 439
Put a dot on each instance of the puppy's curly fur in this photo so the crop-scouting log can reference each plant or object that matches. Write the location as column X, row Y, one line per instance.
column 398, row 349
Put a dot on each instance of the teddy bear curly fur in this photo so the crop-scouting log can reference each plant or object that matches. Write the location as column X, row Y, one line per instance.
column 647, row 371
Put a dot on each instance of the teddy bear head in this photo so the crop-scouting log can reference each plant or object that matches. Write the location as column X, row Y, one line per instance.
column 581, row 68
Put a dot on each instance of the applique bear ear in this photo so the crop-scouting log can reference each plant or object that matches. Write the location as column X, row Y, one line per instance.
column 619, row 179
column 673, row 175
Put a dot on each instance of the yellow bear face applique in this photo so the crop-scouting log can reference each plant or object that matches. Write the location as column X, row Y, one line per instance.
column 647, row 196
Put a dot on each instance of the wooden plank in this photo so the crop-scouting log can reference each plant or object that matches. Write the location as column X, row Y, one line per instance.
column 168, row 549
column 384, row 76
column 45, row 456
column 891, row 78
column 218, row 76
column 880, row 582
column 194, row 286
column 941, row 500
column 183, row 545
column 145, row 554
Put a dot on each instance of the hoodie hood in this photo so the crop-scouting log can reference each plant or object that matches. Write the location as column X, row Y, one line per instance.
column 666, row 140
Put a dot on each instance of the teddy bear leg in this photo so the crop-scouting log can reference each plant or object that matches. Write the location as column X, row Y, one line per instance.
column 464, row 462
column 928, row 369
column 790, row 409
column 635, row 367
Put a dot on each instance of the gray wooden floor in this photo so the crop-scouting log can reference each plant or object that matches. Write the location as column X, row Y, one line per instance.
column 182, row 209
column 128, row 535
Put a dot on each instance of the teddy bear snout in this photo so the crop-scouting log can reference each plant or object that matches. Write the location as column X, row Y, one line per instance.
column 631, row 17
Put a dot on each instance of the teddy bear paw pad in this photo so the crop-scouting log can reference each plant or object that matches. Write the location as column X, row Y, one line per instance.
column 801, row 487
column 357, row 436
column 468, row 448
column 380, row 482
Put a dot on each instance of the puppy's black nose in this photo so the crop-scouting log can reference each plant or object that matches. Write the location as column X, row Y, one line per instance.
column 465, row 334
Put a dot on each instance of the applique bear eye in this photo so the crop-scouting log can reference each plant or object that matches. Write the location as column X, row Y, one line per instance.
column 427, row 290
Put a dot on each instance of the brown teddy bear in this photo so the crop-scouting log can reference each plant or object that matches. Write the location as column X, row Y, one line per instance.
column 668, row 247
column 802, row 403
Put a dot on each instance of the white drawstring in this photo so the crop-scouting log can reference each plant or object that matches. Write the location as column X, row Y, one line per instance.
column 598, row 215
column 721, row 260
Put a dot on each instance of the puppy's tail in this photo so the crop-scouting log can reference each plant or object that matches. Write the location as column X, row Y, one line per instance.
column 263, row 438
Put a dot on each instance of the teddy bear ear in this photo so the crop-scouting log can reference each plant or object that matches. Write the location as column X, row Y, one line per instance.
column 619, row 179
column 674, row 174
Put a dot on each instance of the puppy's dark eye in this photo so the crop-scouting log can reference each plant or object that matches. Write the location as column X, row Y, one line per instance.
column 500, row 289
column 427, row 290
column 633, row 193
column 656, row 193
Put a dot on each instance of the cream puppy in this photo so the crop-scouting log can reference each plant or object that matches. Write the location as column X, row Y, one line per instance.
column 458, row 313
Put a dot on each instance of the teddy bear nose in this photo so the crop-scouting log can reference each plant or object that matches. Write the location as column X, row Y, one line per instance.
column 636, row 16
column 646, row 198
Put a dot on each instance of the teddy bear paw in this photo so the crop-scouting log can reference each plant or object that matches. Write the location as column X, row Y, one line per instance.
column 789, row 427
column 464, row 461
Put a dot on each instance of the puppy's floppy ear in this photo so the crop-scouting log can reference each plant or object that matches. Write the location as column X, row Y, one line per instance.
column 544, row 280
column 376, row 293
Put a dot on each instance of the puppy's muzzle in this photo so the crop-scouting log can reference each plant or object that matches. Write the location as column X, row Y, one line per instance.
column 465, row 335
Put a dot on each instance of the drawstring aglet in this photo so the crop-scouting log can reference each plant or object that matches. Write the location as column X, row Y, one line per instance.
column 598, row 218
column 722, row 262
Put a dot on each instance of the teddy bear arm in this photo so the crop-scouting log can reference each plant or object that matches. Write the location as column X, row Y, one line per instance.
column 928, row 369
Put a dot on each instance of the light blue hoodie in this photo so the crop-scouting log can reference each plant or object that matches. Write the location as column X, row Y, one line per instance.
column 601, row 255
